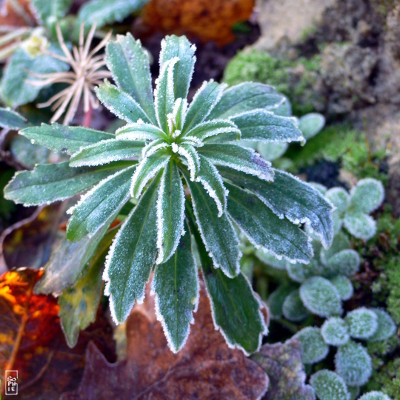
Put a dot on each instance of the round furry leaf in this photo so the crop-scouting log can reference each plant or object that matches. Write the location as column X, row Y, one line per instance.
column 340, row 242
column 313, row 347
column 386, row 326
column 345, row 262
column 318, row 186
column 311, row 124
column 353, row 364
column 276, row 300
column 339, row 198
column 335, row 331
column 362, row 323
column 272, row 150
column 367, row 196
column 360, row 225
column 343, row 286
column 328, row 385
column 320, row 297
column 375, row 395
column 300, row 272
column 293, row 308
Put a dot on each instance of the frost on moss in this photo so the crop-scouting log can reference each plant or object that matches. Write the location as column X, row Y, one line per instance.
column 335, row 331
column 353, row 364
column 328, row 385
column 296, row 79
column 320, row 297
column 293, row 308
column 362, row 323
column 313, row 347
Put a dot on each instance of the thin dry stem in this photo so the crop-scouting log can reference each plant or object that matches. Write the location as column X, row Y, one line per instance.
column 87, row 71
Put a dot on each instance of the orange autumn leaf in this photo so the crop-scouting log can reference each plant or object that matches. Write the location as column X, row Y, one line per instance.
column 208, row 20
column 27, row 321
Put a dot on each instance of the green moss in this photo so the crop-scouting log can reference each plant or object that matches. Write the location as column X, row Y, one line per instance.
column 260, row 66
column 257, row 66
column 339, row 143
column 387, row 379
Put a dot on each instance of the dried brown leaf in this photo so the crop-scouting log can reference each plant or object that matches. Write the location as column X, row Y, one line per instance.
column 282, row 362
column 205, row 369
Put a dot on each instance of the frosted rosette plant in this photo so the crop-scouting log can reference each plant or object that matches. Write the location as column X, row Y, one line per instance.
column 181, row 170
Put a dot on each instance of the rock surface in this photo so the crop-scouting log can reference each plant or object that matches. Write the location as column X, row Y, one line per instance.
column 358, row 42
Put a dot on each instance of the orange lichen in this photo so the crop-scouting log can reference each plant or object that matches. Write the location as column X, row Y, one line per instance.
column 208, row 20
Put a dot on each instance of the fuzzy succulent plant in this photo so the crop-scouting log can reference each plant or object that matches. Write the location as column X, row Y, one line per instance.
column 352, row 210
column 178, row 173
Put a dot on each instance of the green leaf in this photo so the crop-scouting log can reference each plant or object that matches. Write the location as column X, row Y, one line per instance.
column 363, row 323
column 67, row 262
column 328, row 385
column 189, row 153
column 222, row 129
column 105, row 152
column 170, row 212
column 335, row 331
column 353, row 364
column 12, row 120
column 146, row 170
column 79, row 303
column 217, row 233
column 104, row 12
column 301, row 272
column 211, row 180
column 345, row 262
column 311, row 124
column 367, row 196
column 289, row 197
column 262, row 125
column 343, row 286
column 360, row 225
column 386, row 326
column 176, row 286
column 140, row 131
column 68, row 139
column 320, row 297
column 313, row 347
column 264, row 229
column 235, row 309
column 164, row 93
column 245, row 97
column 238, row 158
column 16, row 88
column 203, row 102
column 292, row 307
column 52, row 182
column 100, row 206
column 129, row 65
column 132, row 255
column 179, row 46
column 374, row 395
column 271, row 150
column 120, row 103
column 339, row 198
column 48, row 10
column 277, row 298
